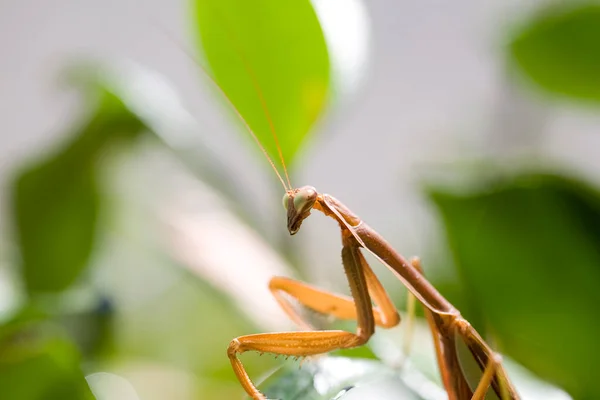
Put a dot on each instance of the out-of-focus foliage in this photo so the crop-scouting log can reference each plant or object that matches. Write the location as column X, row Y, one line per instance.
column 560, row 50
column 38, row 360
column 527, row 251
column 55, row 191
column 56, row 200
column 269, row 54
column 196, row 343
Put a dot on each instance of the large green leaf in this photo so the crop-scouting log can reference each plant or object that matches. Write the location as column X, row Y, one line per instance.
column 560, row 50
column 528, row 250
column 55, row 200
column 277, row 46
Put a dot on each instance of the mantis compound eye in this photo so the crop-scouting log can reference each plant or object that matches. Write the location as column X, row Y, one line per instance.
column 286, row 200
column 305, row 199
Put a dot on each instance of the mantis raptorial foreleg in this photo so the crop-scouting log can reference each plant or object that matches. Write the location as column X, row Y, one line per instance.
column 363, row 285
column 340, row 306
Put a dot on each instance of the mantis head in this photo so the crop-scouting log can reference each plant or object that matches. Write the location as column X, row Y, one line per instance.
column 298, row 203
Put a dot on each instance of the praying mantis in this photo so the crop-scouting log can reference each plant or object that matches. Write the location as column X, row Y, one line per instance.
column 447, row 325
column 445, row 321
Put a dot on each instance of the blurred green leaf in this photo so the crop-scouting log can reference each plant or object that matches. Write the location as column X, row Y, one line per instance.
column 91, row 328
column 528, row 251
column 560, row 50
column 38, row 362
column 363, row 352
column 277, row 46
column 56, row 201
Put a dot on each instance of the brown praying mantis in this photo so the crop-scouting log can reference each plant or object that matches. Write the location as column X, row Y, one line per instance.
column 445, row 321
column 447, row 325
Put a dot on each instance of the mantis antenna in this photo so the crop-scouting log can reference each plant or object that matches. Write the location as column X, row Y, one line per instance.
column 261, row 97
column 258, row 91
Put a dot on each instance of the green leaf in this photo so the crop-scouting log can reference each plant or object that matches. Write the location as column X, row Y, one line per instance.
column 528, row 252
column 277, row 46
column 56, row 203
column 560, row 50
column 38, row 362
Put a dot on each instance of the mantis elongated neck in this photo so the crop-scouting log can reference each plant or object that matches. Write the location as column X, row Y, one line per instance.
column 368, row 238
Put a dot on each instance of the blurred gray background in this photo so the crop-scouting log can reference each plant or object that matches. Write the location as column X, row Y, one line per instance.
column 435, row 91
